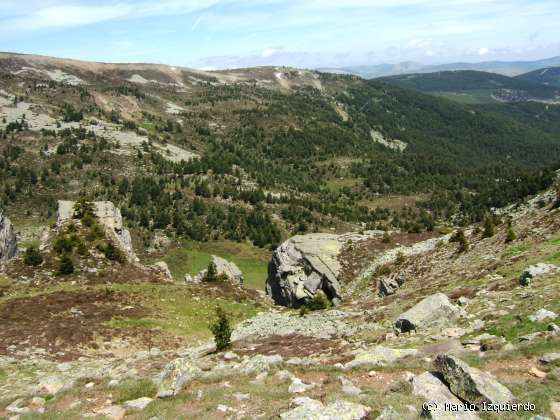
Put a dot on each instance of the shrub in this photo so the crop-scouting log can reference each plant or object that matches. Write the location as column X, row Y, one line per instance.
column 66, row 265
column 386, row 238
column 510, row 236
column 318, row 302
column 95, row 232
column 211, row 273
column 222, row 330
column 111, row 252
column 63, row 245
column 32, row 256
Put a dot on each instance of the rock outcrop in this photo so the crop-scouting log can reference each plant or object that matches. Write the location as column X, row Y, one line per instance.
column 309, row 409
column 224, row 268
column 534, row 271
column 8, row 240
column 390, row 285
column 303, row 265
column 162, row 268
column 379, row 356
column 109, row 216
column 433, row 311
column 471, row 384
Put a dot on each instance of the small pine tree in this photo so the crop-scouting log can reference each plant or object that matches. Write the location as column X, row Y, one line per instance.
column 211, row 273
column 510, row 236
column 462, row 240
column 222, row 330
column 318, row 302
column 386, row 238
column 489, row 230
column 32, row 256
column 66, row 266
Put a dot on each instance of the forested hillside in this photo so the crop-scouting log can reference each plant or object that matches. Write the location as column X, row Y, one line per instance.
column 255, row 154
column 547, row 76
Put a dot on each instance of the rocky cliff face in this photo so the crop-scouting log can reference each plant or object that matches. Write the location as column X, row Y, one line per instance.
column 305, row 264
column 109, row 216
column 8, row 241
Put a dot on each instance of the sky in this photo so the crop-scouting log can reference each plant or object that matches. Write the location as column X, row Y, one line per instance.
column 215, row 34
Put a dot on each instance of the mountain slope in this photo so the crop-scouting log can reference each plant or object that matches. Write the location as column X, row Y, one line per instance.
column 506, row 68
column 547, row 76
column 252, row 154
column 475, row 85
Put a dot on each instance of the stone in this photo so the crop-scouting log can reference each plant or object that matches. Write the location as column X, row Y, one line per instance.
column 16, row 407
column 162, row 268
column 260, row 378
column 389, row 413
column 555, row 409
column 114, row 412
column 463, row 301
column 537, row 373
column 431, row 312
column 192, row 279
column 303, row 265
column 379, row 356
column 229, row 355
column 297, row 386
column 542, row 314
column 8, row 239
column 549, row 358
column 534, row 271
column 348, row 387
column 228, row 269
column 553, row 328
column 284, row 375
column 176, row 374
column 241, row 397
column 51, row 385
column 110, row 218
column 434, row 391
column 259, row 363
column 314, row 410
column 389, row 285
column 137, row 404
column 471, row 384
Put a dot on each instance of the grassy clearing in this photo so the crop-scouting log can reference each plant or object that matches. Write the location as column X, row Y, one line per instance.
column 133, row 389
column 177, row 310
column 193, row 257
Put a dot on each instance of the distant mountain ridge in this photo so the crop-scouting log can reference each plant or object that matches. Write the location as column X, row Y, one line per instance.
column 547, row 76
column 507, row 68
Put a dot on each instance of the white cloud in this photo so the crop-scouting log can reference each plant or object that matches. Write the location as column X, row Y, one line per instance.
column 268, row 52
column 25, row 18
column 483, row 51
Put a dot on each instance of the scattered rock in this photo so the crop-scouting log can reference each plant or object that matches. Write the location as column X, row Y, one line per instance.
column 241, row 397
column 433, row 311
column 297, row 386
column 549, row 358
column 471, row 384
column 228, row 269
column 259, row 363
column 463, row 301
column 553, row 328
column 175, row 376
column 52, row 385
column 137, row 404
column 379, row 356
column 531, row 337
column 114, row 412
column 542, row 314
column 284, row 375
column 348, row 387
column 555, row 409
column 314, row 410
column 537, row 373
column 433, row 390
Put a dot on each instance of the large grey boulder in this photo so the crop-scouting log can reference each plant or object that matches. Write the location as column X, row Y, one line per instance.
column 303, row 265
column 176, row 375
column 8, row 240
column 110, row 218
column 437, row 395
column 471, row 384
column 431, row 312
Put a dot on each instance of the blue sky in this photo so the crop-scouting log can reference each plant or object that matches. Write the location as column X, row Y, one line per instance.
column 301, row 33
